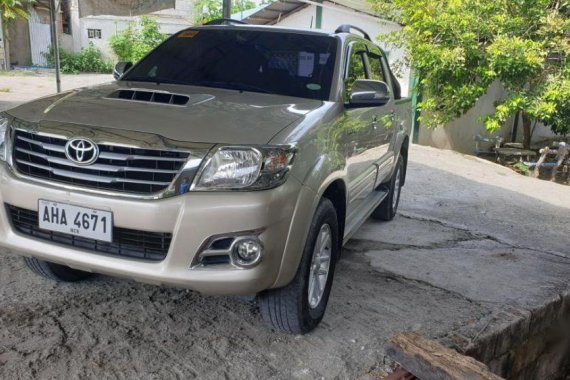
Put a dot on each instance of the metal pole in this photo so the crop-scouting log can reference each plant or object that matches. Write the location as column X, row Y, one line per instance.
column 227, row 9
column 54, row 43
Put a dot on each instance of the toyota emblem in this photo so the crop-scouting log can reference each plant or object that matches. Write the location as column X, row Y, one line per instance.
column 81, row 151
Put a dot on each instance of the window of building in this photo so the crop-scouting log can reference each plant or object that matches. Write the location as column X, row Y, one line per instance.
column 65, row 17
column 94, row 33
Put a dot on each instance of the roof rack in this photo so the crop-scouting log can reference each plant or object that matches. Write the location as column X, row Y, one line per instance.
column 225, row 21
column 346, row 28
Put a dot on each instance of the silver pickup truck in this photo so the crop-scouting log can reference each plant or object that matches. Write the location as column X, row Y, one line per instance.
column 232, row 160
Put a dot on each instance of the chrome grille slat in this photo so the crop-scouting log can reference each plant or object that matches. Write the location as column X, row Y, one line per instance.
column 118, row 168
column 104, row 155
column 52, row 147
column 89, row 177
column 100, row 167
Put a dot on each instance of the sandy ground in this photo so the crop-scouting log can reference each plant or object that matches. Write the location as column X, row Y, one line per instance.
column 471, row 238
column 21, row 88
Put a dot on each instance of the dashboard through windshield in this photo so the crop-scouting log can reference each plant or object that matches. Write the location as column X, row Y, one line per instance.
column 270, row 62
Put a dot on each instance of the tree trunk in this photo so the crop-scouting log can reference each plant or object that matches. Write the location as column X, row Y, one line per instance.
column 6, row 44
column 527, row 126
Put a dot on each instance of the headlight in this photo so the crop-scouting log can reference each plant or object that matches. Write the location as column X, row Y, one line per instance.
column 3, row 130
column 245, row 168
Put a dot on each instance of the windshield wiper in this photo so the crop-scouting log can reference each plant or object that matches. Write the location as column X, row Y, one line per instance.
column 232, row 86
column 153, row 80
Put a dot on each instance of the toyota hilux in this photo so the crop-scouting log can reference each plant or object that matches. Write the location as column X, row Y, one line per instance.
column 231, row 160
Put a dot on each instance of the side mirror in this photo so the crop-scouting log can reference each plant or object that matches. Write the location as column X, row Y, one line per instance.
column 369, row 93
column 120, row 69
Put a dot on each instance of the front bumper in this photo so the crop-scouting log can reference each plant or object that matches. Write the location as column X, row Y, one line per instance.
column 192, row 219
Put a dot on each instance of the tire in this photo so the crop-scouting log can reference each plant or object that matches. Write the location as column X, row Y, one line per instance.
column 288, row 308
column 54, row 271
column 389, row 206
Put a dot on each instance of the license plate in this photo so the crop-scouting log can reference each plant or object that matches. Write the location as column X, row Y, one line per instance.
column 74, row 220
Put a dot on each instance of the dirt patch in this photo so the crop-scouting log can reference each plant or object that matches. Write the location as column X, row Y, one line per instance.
column 106, row 327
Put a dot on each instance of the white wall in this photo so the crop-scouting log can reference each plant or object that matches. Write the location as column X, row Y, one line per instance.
column 110, row 25
column 169, row 21
column 333, row 16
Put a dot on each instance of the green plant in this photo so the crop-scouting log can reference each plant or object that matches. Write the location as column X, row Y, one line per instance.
column 88, row 60
column 136, row 40
column 460, row 47
column 208, row 10
column 522, row 168
column 12, row 9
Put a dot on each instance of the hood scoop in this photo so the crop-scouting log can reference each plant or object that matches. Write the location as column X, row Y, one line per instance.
column 160, row 97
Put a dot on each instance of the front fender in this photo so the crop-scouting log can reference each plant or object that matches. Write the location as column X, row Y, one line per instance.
column 315, row 183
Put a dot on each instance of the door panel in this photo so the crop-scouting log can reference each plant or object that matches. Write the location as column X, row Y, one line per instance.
column 384, row 117
column 356, row 123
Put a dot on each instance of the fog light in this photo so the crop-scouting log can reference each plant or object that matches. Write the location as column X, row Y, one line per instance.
column 247, row 252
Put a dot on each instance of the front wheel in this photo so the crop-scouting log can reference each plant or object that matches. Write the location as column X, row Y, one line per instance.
column 389, row 206
column 54, row 271
column 299, row 307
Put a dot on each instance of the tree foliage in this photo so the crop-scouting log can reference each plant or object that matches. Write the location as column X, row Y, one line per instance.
column 136, row 40
column 208, row 10
column 460, row 47
column 12, row 9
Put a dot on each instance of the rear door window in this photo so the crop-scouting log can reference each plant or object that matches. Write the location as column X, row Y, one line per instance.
column 356, row 68
column 376, row 67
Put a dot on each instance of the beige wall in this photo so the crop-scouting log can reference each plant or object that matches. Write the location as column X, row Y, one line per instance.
column 19, row 34
column 459, row 134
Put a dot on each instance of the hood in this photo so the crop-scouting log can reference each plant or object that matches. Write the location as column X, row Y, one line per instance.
column 210, row 116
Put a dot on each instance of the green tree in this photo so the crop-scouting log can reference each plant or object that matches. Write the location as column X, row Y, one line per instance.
column 208, row 10
column 460, row 47
column 136, row 40
column 12, row 9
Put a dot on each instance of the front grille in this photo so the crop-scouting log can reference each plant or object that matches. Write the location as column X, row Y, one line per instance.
column 130, row 170
column 150, row 246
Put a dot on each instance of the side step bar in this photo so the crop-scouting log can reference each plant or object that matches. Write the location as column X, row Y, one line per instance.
column 370, row 205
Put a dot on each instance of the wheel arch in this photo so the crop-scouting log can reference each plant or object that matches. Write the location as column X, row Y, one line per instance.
column 336, row 193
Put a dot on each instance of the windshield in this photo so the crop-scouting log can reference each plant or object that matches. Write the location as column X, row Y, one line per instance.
column 260, row 61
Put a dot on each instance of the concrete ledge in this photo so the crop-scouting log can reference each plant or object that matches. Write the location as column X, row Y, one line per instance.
column 520, row 344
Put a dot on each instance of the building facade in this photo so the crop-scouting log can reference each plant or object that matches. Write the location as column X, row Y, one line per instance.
column 30, row 39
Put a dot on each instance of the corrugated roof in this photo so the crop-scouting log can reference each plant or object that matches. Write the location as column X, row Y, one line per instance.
column 273, row 12
column 357, row 5
column 245, row 14
column 122, row 7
